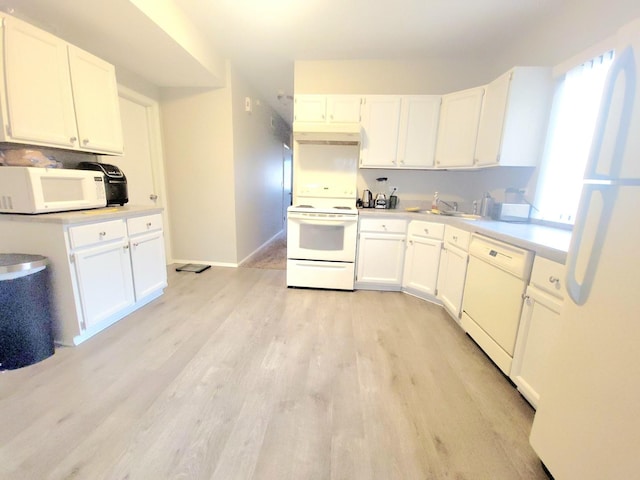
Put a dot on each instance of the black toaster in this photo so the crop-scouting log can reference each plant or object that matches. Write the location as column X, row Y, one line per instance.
column 115, row 181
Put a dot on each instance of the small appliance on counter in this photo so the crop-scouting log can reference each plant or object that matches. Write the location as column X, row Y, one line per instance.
column 367, row 199
column 511, row 212
column 381, row 198
column 115, row 182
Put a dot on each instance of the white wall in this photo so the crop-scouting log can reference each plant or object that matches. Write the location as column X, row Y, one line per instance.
column 258, row 167
column 198, row 149
column 434, row 76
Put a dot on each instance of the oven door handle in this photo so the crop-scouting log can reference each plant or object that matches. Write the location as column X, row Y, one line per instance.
column 324, row 223
column 318, row 220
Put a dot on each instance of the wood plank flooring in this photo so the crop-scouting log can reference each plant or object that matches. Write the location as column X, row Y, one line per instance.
column 230, row 375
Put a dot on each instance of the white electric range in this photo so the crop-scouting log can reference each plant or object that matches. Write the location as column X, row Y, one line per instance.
column 322, row 234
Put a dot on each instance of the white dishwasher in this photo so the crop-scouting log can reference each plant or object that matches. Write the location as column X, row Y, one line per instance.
column 497, row 278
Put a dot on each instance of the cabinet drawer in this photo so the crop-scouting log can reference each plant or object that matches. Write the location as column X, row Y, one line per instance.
column 148, row 223
column 383, row 225
column 94, row 233
column 419, row 228
column 456, row 237
column 548, row 276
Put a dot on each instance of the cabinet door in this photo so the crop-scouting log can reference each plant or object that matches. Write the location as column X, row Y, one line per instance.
column 38, row 87
column 492, row 121
column 343, row 108
column 451, row 277
column 310, row 108
column 148, row 264
column 380, row 123
column 95, row 95
column 421, row 265
column 380, row 258
column 104, row 281
column 539, row 328
column 418, row 131
column 458, row 129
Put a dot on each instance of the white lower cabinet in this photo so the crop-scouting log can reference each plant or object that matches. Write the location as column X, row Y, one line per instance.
column 146, row 244
column 100, row 270
column 453, row 269
column 539, row 328
column 105, row 286
column 381, row 248
column 422, row 259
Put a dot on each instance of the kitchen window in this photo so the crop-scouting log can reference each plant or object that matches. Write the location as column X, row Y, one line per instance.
column 575, row 108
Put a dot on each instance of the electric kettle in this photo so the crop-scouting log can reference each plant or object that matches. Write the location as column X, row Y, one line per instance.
column 367, row 199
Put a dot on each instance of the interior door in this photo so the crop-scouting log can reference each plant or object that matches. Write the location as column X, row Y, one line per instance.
column 142, row 162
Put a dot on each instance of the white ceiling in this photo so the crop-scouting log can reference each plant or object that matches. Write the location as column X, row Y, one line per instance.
column 263, row 38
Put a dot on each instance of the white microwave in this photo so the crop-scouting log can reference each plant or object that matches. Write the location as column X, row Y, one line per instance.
column 43, row 190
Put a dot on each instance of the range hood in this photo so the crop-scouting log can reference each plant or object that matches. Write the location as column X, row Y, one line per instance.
column 327, row 133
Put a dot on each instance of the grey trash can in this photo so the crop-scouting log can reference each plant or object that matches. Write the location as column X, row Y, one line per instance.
column 26, row 334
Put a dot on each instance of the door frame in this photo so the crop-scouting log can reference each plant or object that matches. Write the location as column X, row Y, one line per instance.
column 152, row 109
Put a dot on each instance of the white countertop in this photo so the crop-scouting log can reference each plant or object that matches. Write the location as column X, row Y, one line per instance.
column 83, row 216
column 548, row 242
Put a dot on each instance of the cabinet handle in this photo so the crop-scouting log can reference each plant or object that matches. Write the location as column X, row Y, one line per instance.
column 73, row 139
column 125, row 247
column 455, row 238
column 410, row 242
column 553, row 279
column 426, row 230
column 149, row 224
column 136, row 244
column 85, row 141
column 102, row 234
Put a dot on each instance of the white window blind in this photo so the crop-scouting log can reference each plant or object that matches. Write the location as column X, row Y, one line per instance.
column 575, row 109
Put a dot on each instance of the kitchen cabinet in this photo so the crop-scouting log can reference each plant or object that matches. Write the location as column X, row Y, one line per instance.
column 422, row 259
column 381, row 249
column 95, row 95
column 458, row 128
column 56, row 95
column 100, row 256
column 514, row 118
column 380, row 127
column 146, row 244
column 539, row 327
column 400, row 131
column 418, row 130
column 327, row 108
column 102, row 269
column 453, row 269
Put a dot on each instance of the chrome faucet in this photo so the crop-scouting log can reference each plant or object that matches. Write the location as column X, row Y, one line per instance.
column 453, row 206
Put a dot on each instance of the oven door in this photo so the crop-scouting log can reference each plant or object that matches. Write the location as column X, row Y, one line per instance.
column 322, row 236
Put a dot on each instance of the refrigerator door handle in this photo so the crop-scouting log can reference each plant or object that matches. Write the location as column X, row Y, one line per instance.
column 624, row 64
column 594, row 214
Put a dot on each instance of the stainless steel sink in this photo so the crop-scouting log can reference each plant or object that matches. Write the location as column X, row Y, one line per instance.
column 453, row 213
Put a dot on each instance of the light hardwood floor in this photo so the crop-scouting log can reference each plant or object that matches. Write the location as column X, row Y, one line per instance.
column 230, row 375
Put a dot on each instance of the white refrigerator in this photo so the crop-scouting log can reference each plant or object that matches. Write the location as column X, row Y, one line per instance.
column 587, row 425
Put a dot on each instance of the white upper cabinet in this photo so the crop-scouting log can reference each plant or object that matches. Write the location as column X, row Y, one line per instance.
column 54, row 93
column 399, row 131
column 514, row 118
column 343, row 108
column 310, row 108
column 327, row 108
column 458, row 128
column 380, row 124
column 95, row 95
column 418, row 131
column 37, row 100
